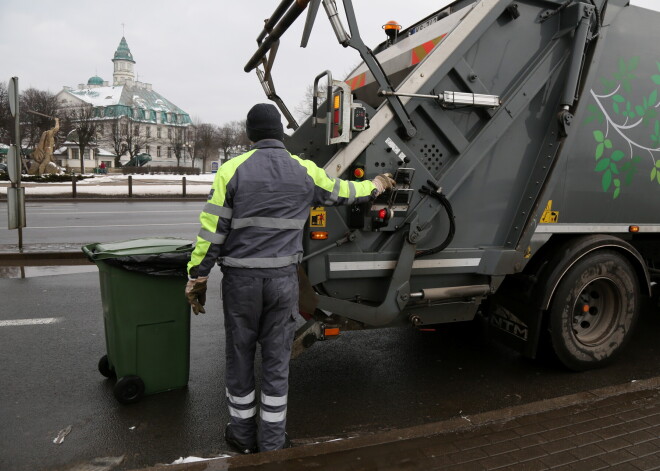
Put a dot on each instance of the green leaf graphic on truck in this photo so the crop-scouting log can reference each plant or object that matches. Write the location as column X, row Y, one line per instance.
column 629, row 128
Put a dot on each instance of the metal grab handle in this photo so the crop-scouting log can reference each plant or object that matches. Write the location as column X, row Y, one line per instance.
column 328, row 111
column 275, row 27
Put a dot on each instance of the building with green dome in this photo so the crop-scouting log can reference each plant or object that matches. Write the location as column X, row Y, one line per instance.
column 130, row 114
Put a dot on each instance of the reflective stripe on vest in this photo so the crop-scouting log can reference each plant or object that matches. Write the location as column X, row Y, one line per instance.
column 241, row 401
column 271, row 262
column 274, row 401
column 216, row 210
column 271, row 223
column 332, row 199
column 242, row 414
column 272, row 416
column 212, row 236
column 351, row 193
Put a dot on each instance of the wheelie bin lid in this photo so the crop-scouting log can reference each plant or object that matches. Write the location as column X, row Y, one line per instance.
column 148, row 246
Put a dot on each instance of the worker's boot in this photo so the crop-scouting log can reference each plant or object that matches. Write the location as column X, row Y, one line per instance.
column 236, row 445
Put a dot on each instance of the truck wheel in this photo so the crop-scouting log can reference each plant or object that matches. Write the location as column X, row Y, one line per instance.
column 594, row 310
column 129, row 389
column 104, row 367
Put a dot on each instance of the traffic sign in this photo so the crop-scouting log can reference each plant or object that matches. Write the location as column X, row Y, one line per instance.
column 13, row 165
column 16, row 208
column 13, row 96
column 214, row 167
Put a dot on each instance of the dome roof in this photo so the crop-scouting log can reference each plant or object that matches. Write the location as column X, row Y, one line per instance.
column 123, row 52
column 95, row 80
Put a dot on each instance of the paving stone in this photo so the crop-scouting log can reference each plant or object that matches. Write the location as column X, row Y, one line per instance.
column 558, row 459
column 528, row 466
column 467, row 456
column 643, row 449
column 587, row 451
column 528, row 453
column 614, row 444
column 501, row 447
column 497, row 462
column 560, row 445
column 618, row 456
column 641, row 436
column 531, row 429
column 556, row 434
column 647, row 462
column 474, row 442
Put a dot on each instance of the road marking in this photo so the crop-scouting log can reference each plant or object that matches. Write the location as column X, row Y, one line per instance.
column 45, row 320
column 115, row 225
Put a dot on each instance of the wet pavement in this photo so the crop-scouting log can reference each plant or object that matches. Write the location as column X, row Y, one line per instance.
column 615, row 428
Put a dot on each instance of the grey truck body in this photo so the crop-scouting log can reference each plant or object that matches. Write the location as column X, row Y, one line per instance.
column 559, row 170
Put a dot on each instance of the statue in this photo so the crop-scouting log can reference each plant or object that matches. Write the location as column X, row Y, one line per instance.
column 43, row 153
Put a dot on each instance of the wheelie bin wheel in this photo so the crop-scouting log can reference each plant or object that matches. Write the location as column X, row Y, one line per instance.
column 104, row 367
column 129, row 389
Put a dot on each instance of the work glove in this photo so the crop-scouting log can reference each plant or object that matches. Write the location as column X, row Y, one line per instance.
column 196, row 294
column 383, row 182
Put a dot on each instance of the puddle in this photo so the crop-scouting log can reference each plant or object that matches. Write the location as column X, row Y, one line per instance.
column 48, row 270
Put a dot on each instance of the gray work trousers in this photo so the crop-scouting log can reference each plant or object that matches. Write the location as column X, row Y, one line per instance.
column 259, row 310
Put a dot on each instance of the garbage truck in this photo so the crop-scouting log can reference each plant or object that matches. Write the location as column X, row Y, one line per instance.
column 524, row 138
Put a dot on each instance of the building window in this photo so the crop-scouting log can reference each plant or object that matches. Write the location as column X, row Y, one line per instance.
column 158, row 132
column 148, row 131
column 148, row 150
column 169, row 152
column 169, row 133
column 100, row 130
column 136, row 129
column 158, row 151
column 75, row 153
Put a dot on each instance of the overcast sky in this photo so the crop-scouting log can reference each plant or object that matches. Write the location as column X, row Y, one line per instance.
column 192, row 52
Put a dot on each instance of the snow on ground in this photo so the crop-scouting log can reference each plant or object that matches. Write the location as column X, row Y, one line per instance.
column 117, row 185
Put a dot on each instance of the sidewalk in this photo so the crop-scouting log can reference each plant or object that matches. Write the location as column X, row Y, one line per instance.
column 610, row 428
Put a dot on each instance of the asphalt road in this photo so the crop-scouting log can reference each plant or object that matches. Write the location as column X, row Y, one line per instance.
column 86, row 222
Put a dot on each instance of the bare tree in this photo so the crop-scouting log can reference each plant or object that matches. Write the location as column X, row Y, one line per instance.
column 136, row 140
column 226, row 139
column 303, row 110
column 116, row 140
column 178, row 142
column 241, row 141
column 6, row 120
column 206, row 141
column 34, row 125
column 83, row 124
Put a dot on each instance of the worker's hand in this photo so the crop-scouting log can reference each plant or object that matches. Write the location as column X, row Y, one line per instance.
column 196, row 294
column 383, row 182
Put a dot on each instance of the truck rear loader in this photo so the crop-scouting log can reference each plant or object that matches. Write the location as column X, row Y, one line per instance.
column 524, row 138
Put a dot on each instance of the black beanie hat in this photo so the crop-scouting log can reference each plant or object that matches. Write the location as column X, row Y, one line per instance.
column 264, row 122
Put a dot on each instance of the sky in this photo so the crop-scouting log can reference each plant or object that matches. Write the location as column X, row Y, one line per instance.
column 193, row 52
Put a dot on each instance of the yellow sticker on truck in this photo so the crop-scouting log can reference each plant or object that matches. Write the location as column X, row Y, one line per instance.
column 317, row 217
column 549, row 215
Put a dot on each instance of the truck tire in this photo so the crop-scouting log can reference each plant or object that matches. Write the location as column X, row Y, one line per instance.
column 594, row 310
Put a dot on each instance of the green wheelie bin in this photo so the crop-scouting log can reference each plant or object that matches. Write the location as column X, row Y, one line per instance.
column 145, row 313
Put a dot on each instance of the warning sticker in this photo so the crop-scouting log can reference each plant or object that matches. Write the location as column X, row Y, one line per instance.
column 317, row 217
column 549, row 215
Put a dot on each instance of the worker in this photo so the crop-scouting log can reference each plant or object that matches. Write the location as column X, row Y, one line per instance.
column 252, row 227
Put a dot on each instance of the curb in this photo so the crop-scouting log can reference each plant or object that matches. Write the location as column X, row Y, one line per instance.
column 457, row 424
